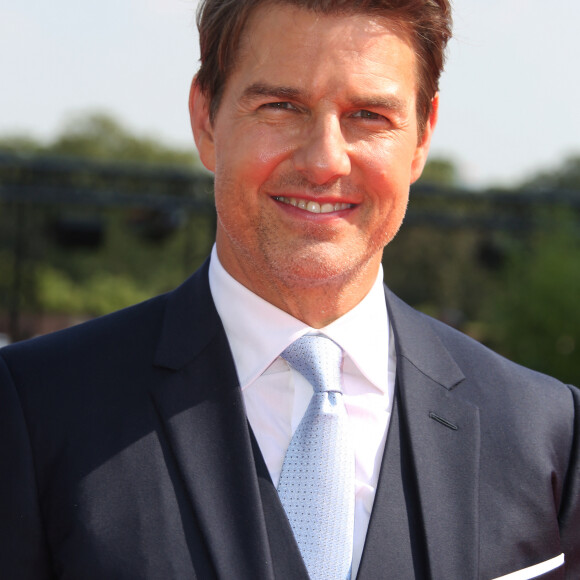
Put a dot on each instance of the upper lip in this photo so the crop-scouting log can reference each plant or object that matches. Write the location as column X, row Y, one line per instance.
column 318, row 199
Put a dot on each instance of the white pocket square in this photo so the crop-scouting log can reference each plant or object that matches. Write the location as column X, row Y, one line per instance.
column 535, row 571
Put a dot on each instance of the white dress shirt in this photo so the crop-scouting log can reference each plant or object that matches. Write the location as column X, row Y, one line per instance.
column 276, row 396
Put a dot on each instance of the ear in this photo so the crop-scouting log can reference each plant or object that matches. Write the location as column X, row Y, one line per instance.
column 201, row 125
column 420, row 157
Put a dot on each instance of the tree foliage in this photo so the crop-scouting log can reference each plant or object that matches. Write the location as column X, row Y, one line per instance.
column 52, row 273
column 440, row 171
column 100, row 137
column 566, row 176
column 533, row 315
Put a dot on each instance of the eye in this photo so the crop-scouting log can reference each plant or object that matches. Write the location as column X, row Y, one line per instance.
column 282, row 106
column 364, row 114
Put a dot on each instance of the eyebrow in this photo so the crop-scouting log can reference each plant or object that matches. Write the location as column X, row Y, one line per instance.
column 386, row 102
column 278, row 92
column 285, row 93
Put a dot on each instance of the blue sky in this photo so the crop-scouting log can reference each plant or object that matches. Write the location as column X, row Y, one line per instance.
column 509, row 97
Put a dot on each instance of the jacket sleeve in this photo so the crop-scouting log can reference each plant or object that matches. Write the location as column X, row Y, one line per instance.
column 23, row 550
column 569, row 517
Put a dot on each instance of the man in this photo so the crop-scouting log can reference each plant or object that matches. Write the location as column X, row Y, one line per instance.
column 149, row 443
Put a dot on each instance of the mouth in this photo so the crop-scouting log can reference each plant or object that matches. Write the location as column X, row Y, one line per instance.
column 313, row 206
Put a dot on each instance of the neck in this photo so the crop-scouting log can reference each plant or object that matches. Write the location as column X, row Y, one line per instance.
column 319, row 306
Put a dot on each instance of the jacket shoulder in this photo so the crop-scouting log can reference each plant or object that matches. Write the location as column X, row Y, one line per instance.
column 112, row 332
column 416, row 331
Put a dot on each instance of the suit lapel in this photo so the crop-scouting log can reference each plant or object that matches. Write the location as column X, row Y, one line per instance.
column 202, row 413
column 436, row 458
column 445, row 459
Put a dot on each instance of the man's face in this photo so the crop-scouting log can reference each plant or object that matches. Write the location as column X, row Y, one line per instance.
column 314, row 146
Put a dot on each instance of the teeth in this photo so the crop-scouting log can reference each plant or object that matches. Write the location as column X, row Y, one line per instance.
column 313, row 206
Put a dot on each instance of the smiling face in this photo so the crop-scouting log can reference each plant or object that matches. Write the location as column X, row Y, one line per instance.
column 314, row 146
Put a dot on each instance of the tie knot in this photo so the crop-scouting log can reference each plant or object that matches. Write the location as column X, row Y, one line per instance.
column 318, row 359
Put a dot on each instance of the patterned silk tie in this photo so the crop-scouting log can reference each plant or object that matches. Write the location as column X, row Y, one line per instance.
column 317, row 480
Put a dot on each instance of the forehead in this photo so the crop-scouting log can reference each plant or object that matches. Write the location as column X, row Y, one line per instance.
column 284, row 40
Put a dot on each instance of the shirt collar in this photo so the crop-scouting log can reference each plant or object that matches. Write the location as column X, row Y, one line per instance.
column 258, row 331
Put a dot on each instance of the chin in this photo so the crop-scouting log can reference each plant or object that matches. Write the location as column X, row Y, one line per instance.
column 310, row 269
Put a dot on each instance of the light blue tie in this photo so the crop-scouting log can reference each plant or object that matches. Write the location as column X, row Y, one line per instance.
column 317, row 480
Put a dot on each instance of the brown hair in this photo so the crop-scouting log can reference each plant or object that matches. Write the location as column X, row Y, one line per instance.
column 221, row 24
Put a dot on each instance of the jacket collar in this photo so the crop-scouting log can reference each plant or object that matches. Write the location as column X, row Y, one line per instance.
column 417, row 343
column 190, row 323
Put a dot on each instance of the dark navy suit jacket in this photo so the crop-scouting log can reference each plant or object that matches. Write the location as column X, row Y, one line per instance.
column 125, row 454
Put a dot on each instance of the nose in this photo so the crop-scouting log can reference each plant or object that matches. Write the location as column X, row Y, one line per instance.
column 323, row 154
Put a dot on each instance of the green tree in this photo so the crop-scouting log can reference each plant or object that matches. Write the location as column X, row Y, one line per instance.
column 566, row 176
column 100, row 137
column 440, row 171
column 533, row 316
column 19, row 144
column 139, row 251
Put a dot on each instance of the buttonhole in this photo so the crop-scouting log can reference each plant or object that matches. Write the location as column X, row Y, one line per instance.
column 443, row 421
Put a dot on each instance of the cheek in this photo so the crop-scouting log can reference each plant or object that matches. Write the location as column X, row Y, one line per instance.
column 385, row 171
column 393, row 152
column 271, row 150
column 250, row 156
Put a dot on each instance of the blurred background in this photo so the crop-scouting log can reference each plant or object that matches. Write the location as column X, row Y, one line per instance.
column 103, row 201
